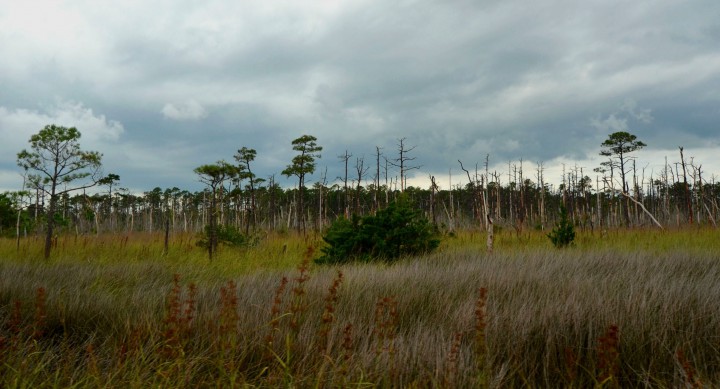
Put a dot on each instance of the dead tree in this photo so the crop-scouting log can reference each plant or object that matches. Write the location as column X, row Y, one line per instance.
column 322, row 207
column 475, row 195
column 433, row 190
column 686, row 187
column 403, row 162
column 361, row 170
column 630, row 198
column 346, row 205
column 376, row 201
column 541, row 203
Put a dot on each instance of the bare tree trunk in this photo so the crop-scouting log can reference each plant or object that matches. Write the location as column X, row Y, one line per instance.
column 541, row 189
column 451, row 214
column 490, row 235
column 687, row 188
column 433, row 188
column 346, row 158
column 376, row 201
column 167, row 236
column 599, row 203
column 630, row 198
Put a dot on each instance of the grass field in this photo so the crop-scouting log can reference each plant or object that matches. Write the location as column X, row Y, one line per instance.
column 630, row 308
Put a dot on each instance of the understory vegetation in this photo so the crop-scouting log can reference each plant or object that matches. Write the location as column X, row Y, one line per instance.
column 620, row 308
column 395, row 231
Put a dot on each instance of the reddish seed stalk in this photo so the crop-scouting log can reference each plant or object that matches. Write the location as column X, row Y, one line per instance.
column 451, row 363
column 190, row 307
column 386, row 322
column 571, row 363
column 229, row 318
column 608, row 355
column 40, row 312
column 480, row 326
column 328, row 315
column 298, row 305
column 92, row 361
column 178, row 321
column 347, row 351
column 690, row 375
column 16, row 319
column 275, row 312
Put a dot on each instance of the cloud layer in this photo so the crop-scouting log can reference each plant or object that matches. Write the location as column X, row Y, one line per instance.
column 169, row 85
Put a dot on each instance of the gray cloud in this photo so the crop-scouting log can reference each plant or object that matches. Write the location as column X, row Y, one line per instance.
column 190, row 110
column 180, row 83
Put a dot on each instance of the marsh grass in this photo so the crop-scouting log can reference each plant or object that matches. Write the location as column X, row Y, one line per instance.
column 632, row 309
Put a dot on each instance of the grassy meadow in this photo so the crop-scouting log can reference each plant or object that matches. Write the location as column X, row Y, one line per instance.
column 621, row 308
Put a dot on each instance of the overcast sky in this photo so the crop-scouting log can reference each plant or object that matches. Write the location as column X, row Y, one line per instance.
column 161, row 87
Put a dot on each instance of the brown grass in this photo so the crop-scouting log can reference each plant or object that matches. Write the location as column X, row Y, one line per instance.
column 458, row 318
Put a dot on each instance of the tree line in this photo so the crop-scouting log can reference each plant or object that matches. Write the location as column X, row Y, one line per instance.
column 58, row 175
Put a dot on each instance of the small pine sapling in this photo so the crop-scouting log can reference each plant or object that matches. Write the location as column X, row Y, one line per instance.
column 563, row 234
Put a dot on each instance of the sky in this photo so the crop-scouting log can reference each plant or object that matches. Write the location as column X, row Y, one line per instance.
column 162, row 87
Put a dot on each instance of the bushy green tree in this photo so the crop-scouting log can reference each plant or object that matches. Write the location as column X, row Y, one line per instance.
column 395, row 231
column 214, row 176
column 56, row 165
column 563, row 234
column 617, row 147
column 8, row 213
column 225, row 235
column 302, row 165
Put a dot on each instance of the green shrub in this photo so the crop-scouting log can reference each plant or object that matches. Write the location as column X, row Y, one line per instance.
column 226, row 235
column 392, row 232
column 564, row 232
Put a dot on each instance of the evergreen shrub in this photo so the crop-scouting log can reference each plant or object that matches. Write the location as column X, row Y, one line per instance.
column 563, row 234
column 391, row 233
column 226, row 235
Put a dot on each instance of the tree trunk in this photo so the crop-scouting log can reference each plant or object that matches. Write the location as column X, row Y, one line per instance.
column 50, row 223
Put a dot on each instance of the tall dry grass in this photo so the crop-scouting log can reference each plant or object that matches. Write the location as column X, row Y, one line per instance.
column 585, row 317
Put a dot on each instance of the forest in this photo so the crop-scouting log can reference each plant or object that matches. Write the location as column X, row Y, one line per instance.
column 519, row 198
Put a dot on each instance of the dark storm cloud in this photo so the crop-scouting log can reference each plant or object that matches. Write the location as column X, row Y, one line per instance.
column 190, row 83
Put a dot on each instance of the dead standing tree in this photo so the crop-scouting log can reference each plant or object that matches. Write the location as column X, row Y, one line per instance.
column 686, row 187
column 476, row 187
column 376, row 201
column 403, row 161
column 346, row 202
column 433, row 190
column 361, row 170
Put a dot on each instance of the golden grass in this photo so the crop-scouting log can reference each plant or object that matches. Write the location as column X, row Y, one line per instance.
column 636, row 308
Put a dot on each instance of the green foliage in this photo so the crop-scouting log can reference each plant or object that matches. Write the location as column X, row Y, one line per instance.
column 8, row 214
column 226, row 235
column 564, row 232
column 57, row 158
column 392, row 232
column 56, row 161
column 303, row 163
column 244, row 156
column 214, row 174
column 619, row 143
